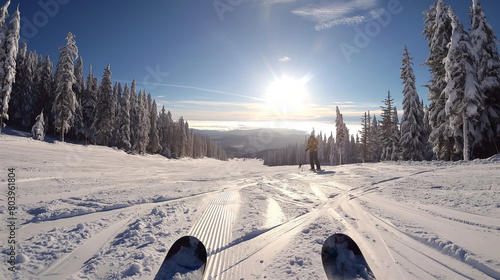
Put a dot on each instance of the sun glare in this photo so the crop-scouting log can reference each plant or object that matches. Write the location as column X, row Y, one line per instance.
column 287, row 95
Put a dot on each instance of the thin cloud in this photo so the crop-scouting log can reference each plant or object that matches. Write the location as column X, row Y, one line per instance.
column 266, row 3
column 353, row 12
column 284, row 59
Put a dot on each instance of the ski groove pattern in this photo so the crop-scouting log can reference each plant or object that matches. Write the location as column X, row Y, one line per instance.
column 214, row 229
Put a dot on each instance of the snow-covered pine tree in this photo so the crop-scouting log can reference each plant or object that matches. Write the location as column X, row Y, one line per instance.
column 9, row 66
column 412, row 139
column 340, row 133
column 79, row 88
column 484, row 42
column 180, row 139
column 352, row 151
column 117, row 95
column 45, row 92
column 145, row 122
column 428, row 153
column 326, row 150
column 64, row 105
column 142, row 124
column 154, row 139
column 195, row 140
column 123, row 131
column 375, row 147
column 38, row 129
column 18, row 88
column 438, row 33
column 104, row 119
column 88, row 103
column 134, row 117
column 465, row 101
column 188, row 147
column 149, row 102
column 333, row 150
column 387, row 128
column 163, row 126
column 364, row 149
column 171, row 133
column 396, row 135
column 4, row 13
column 321, row 145
column 30, row 95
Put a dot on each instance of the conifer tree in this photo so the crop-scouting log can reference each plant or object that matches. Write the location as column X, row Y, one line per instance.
column 9, row 65
column 20, row 89
column 464, row 105
column 180, row 139
column 188, row 145
column 65, row 100
column 154, row 138
column 364, row 147
column 164, row 127
column 143, row 124
column 438, row 34
column 484, row 42
column 396, row 136
column 123, row 131
column 375, row 147
column 134, row 117
column 104, row 119
column 4, row 99
column 30, row 95
column 45, row 90
column 88, row 103
column 412, row 132
column 4, row 14
column 117, row 95
column 38, row 129
column 79, row 88
column 387, row 129
column 342, row 135
column 428, row 153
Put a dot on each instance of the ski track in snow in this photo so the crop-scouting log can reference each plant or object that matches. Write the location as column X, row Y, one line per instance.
column 98, row 213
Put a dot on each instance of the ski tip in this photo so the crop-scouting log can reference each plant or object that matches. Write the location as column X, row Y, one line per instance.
column 187, row 256
column 190, row 242
column 342, row 259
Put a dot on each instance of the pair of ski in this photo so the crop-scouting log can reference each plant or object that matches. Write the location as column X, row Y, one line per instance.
column 342, row 259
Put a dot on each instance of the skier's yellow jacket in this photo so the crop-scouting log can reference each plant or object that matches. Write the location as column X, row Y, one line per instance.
column 312, row 144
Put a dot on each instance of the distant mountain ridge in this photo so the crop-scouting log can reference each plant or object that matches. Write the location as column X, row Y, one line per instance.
column 247, row 143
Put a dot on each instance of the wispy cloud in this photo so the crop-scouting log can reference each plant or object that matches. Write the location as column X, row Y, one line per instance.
column 272, row 2
column 340, row 12
column 284, row 59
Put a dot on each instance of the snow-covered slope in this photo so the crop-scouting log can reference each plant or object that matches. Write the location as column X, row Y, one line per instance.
column 89, row 212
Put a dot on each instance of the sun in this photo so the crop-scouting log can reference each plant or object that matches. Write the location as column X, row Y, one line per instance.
column 286, row 95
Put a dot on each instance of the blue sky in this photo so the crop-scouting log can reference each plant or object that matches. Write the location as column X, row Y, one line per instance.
column 217, row 61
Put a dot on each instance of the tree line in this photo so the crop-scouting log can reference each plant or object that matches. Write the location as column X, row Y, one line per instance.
column 35, row 96
column 462, row 120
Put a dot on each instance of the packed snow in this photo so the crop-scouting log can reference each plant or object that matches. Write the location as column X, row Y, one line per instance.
column 92, row 212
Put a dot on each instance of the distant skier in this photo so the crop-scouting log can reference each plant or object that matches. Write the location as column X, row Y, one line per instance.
column 312, row 147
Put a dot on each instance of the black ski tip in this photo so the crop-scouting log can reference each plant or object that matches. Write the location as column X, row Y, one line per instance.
column 187, row 255
column 343, row 259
